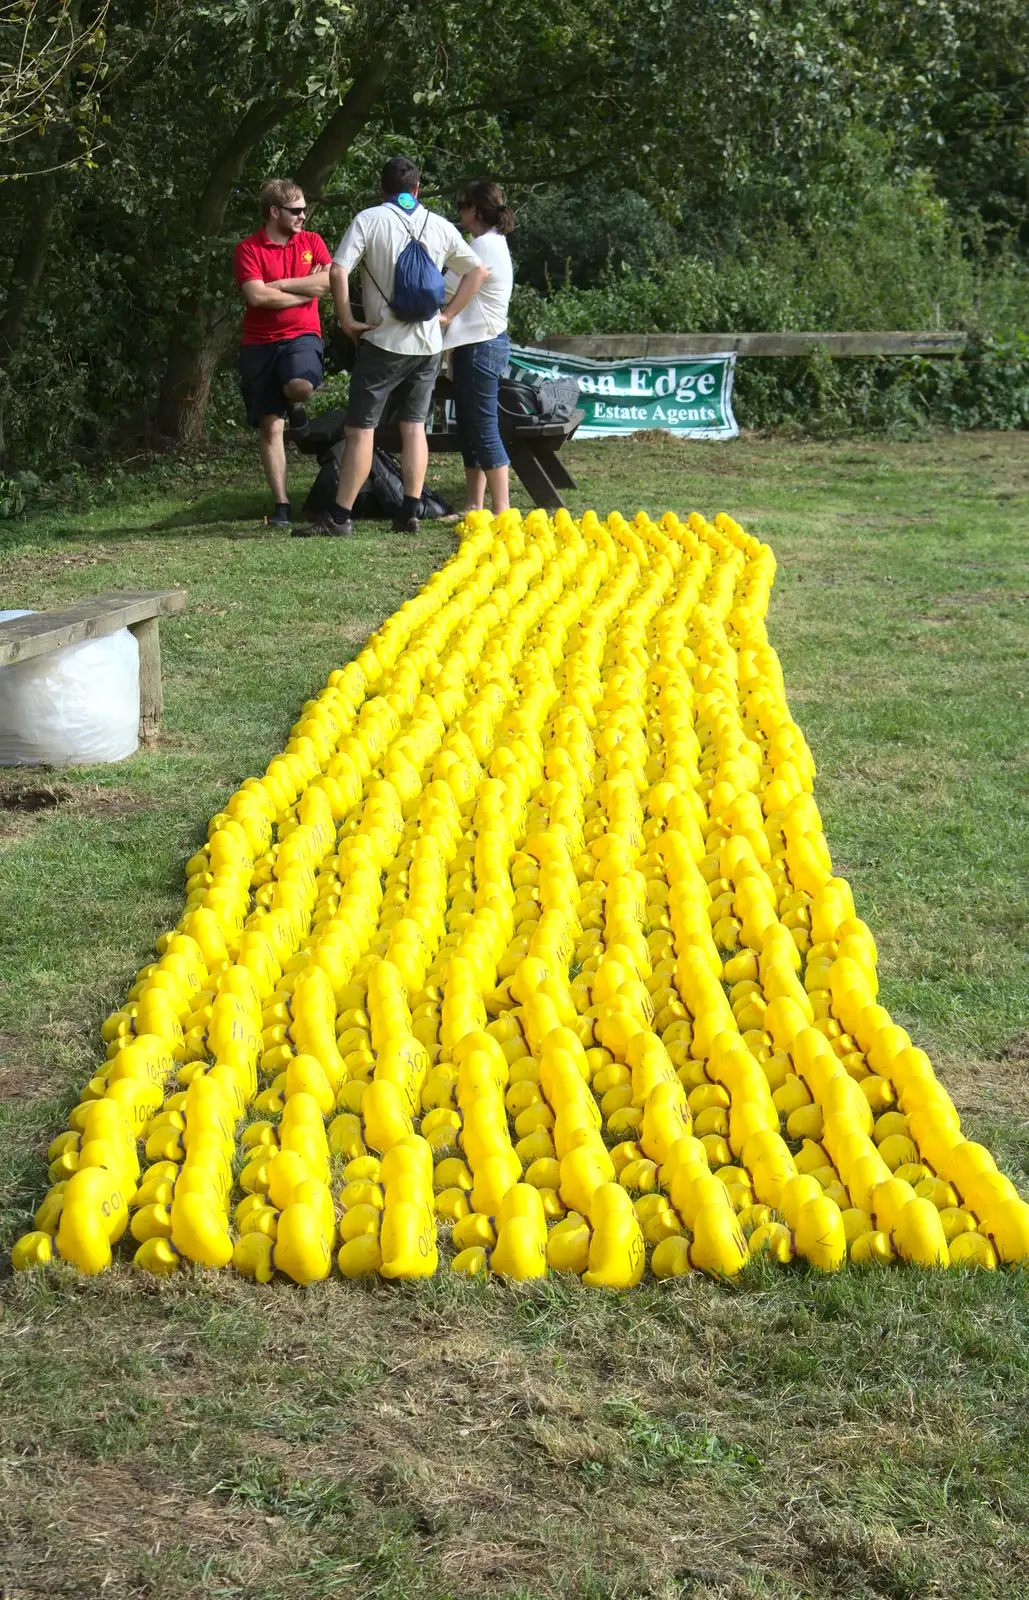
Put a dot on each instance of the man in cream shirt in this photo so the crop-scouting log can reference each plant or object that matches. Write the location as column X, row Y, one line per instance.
column 393, row 357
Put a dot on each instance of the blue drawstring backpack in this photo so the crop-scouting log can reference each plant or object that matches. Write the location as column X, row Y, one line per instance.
column 418, row 288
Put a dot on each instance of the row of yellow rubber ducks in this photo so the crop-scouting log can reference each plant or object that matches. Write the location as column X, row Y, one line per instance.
column 528, row 943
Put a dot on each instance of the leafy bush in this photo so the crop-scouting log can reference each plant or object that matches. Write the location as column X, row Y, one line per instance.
column 570, row 238
column 895, row 263
column 15, row 493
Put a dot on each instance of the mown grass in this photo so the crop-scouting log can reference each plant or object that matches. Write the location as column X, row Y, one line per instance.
column 783, row 1437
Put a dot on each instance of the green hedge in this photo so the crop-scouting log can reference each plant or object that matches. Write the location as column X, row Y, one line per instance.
column 896, row 263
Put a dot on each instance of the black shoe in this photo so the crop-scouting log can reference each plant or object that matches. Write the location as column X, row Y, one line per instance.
column 298, row 420
column 406, row 525
column 325, row 523
column 281, row 517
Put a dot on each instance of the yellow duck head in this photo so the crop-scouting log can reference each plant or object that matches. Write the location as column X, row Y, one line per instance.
column 253, row 1257
column 360, row 1256
column 158, row 1256
column 568, row 1244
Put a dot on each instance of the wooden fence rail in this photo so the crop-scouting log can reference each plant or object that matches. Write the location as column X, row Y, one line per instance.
column 655, row 346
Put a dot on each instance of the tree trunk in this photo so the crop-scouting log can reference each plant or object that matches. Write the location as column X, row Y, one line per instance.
column 195, row 350
column 26, row 272
column 194, row 344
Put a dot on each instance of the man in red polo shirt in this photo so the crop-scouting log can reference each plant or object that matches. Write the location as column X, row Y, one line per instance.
column 281, row 270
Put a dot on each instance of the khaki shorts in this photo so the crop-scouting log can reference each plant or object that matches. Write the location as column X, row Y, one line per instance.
column 380, row 376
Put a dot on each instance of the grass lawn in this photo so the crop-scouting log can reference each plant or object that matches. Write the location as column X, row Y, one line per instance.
column 789, row 1436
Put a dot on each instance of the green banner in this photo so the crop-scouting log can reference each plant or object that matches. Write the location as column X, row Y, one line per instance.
column 691, row 398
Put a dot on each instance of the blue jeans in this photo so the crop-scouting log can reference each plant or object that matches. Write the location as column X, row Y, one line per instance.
column 477, row 369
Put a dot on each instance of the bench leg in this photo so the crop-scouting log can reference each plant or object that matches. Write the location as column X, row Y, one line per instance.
column 533, row 475
column 558, row 473
column 151, row 693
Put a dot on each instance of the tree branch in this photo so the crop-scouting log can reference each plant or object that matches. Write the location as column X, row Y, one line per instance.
column 343, row 127
column 258, row 121
column 530, row 97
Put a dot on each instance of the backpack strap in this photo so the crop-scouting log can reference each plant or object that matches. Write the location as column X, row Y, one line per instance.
column 415, row 239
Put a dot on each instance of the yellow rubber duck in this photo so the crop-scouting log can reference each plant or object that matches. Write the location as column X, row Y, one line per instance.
column 819, row 1235
column 363, row 1169
column 657, row 1218
column 544, row 1173
column 473, row 1229
column 492, row 1181
column 1007, row 1228
column 386, row 1120
column 617, row 1254
column 362, row 1193
column 872, row 1248
column 753, row 1217
column 49, row 1211
column 302, row 1248
column 408, row 1242
column 358, row 1221
column 306, row 1075
column 719, row 1246
column 918, row 1235
column 583, row 1171
column 413, row 1155
column 955, row 1220
column 856, row 1222
column 199, row 1231
column 452, row 1204
column 521, row 1248
column 94, row 1214
column 151, row 1222
column 312, row 1192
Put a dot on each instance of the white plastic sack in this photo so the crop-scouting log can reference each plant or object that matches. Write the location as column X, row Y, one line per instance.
column 75, row 707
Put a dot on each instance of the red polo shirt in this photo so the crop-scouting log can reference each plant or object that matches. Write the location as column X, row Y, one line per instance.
column 258, row 257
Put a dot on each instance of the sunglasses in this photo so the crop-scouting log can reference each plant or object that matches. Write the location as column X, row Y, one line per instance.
column 294, row 211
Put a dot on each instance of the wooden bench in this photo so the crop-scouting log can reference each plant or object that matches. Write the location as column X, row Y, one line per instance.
column 138, row 610
column 532, row 446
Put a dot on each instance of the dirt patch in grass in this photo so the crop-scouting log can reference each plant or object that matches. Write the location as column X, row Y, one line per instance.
column 31, row 794
column 13, row 568
column 21, row 1080
column 987, row 1090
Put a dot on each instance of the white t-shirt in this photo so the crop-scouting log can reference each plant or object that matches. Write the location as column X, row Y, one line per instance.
column 486, row 315
column 377, row 237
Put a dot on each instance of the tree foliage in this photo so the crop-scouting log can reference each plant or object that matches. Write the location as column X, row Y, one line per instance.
column 52, row 69
column 627, row 129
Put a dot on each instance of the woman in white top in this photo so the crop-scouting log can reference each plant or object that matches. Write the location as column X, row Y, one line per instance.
column 477, row 338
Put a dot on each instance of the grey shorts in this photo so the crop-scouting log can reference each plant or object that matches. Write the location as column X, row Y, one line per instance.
column 379, row 375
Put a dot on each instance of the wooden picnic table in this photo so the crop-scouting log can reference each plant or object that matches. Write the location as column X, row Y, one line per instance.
column 533, row 446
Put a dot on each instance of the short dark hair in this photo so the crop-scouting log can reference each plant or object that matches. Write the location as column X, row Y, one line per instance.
column 400, row 176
